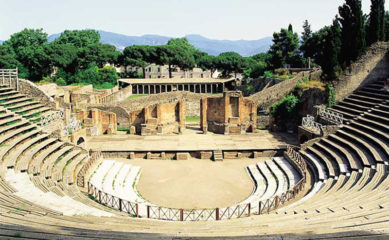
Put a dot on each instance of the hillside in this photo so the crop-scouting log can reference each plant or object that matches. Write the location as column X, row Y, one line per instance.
column 211, row 46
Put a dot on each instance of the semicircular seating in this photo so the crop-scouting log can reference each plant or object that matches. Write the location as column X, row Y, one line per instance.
column 347, row 198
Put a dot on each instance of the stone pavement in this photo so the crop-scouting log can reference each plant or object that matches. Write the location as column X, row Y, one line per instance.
column 191, row 140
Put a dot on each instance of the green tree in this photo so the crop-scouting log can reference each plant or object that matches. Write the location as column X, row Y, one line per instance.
column 79, row 38
column 176, row 53
column 375, row 29
column 231, row 63
column 8, row 57
column 29, row 48
column 324, row 47
column 137, row 56
column 284, row 48
column 305, row 36
column 386, row 26
column 353, row 32
column 208, row 62
column 108, row 76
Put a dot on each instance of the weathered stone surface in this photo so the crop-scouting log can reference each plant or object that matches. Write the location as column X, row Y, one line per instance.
column 182, row 156
column 230, row 114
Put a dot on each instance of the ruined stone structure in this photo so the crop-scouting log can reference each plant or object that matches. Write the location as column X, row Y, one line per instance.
column 98, row 122
column 230, row 114
column 157, row 71
column 162, row 118
column 196, row 85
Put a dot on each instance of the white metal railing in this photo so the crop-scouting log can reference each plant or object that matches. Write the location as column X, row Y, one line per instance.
column 9, row 77
column 309, row 122
column 331, row 116
column 52, row 117
column 73, row 126
column 94, row 131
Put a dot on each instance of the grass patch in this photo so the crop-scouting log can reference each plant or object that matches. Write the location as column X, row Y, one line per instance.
column 192, row 119
column 58, row 160
column 262, row 127
column 123, row 129
column 133, row 96
column 312, row 84
column 12, row 123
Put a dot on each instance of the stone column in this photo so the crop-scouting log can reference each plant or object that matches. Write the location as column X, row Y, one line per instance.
column 181, row 115
column 155, row 89
column 200, row 88
column 148, row 87
column 143, row 89
column 203, row 115
column 211, row 88
column 227, row 112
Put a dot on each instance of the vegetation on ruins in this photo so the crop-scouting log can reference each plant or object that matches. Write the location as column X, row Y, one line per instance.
column 78, row 57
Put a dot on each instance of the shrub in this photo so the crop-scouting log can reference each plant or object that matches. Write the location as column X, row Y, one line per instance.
column 304, row 85
column 285, row 109
column 281, row 71
column 61, row 82
column 268, row 74
column 331, row 94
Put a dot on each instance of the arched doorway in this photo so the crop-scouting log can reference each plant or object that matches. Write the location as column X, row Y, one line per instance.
column 81, row 142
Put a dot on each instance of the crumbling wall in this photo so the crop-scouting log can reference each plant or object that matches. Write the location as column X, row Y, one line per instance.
column 29, row 89
column 264, row 99
column 229, row 114
column 371, row 66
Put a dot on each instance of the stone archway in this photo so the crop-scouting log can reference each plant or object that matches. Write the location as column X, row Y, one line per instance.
column 81, row 142
column 303, row 138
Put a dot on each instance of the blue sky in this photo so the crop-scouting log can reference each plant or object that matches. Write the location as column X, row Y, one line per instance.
column 218, row 19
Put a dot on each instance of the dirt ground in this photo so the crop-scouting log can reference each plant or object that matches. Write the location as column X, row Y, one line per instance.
column 194, row 183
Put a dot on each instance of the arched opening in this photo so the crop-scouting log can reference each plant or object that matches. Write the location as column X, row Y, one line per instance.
column 81, row 142
column 303, row 139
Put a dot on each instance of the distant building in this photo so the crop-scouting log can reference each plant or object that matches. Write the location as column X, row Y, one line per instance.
column 157, row 71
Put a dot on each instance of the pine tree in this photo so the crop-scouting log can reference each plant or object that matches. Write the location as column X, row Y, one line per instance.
column 375, row 29
column 353, row 32
column 386, row 26
column 382, row 20
column 307, row 33
column 305, row 36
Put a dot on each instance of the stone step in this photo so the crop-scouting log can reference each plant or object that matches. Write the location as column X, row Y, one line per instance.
column 356, row 107
column 369, row 137
column 343, row 152
column 331, row 169
column 359, row 157
column 359, row 102
column 361, row 97
column 369, row 151
column 373, row 94
column 329, row 152
column 217, row 155
column 14, row 102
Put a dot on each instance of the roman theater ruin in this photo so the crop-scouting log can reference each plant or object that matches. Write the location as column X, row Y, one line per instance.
column 191, row 160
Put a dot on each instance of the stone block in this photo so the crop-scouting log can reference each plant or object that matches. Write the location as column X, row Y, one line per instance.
column 182, row 156
column 205, row 155
column 132, row 155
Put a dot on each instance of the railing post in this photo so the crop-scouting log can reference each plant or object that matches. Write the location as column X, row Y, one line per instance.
column 217, row 214
column 148, row 211
column 276, row 199
column 260, row 208
column 120, row 204
column 137, row 209
column 99, row 196
column 181, row 214
column 249, row 206
column 88, row 188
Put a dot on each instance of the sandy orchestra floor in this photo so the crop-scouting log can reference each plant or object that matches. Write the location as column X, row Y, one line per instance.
column 194, row 183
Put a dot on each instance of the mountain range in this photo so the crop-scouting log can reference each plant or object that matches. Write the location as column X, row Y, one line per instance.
column 210, row 46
